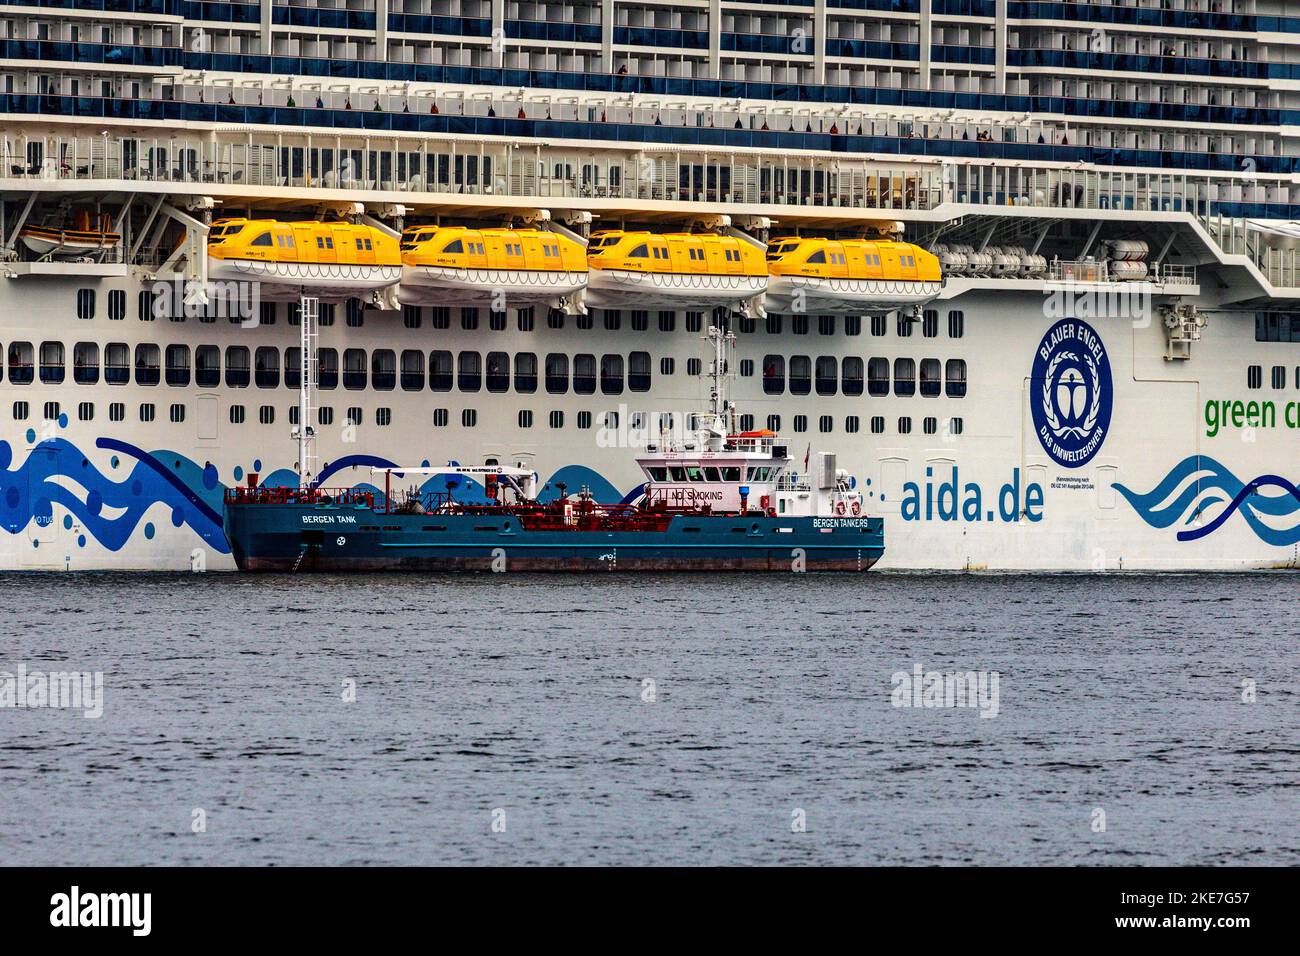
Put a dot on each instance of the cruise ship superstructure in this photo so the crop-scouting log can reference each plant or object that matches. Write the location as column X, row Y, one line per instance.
column 1029, row 269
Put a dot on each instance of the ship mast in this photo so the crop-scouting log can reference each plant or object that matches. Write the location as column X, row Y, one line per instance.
column 305, row 432
column 723, row 344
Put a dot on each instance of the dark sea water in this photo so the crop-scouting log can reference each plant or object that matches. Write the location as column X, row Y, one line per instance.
column 520, row 700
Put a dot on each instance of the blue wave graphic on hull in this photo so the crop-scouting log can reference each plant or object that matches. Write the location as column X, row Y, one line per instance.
column 111, row 510
column 1242, row 497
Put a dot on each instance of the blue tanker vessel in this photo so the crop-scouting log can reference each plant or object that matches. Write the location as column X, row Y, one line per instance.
column 715, row 500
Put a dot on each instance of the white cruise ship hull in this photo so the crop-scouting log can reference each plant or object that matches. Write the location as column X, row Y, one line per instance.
column 1161, row 490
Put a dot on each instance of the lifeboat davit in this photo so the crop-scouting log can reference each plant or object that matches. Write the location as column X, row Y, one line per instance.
column 492, row 267
column 849, row 276
column 330, row 260
column 649, row 270
column 73, row 243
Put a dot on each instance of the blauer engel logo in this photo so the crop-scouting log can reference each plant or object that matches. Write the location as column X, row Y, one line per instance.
column 1070, row 392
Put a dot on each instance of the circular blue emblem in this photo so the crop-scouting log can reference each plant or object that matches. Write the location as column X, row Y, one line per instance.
column 1070, row 392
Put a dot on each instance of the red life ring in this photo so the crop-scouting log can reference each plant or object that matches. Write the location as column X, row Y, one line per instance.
column 857, row 508
column 839, row 507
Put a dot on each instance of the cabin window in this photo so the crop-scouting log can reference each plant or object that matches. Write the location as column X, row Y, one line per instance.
column 52, row 371
column 930, row 378
column 954, row 426
column 825, row 325
column 801, row 423
column 264, row 239
column 956, row 324
column 557, row 373
column 498, row 372
column 147, row 364
column 266, row 367
column 584, row 374
column 904, row 326
column 1254, row 376
column 930, row 425
column 827, row 375
column 237, row 372
column 851, row 375
column 383, row 369
column 955, row 374
column 327, row 368
column 440, row 365
column 930, row 323
column 878, row 325
column 178, row 365
column 117, row 305
column 904, row 377
column 469, row 372
column 292, row 368
column 611, row 374
column 412, row 370
column 905, row 425
column 877, row 424
column 207, row 366
column 85, row 363
column 85, row 303
column 354, row 369
column 638, row 371
column 800, row 375
column 774, row 374
column 825, row 424
column 440, row 417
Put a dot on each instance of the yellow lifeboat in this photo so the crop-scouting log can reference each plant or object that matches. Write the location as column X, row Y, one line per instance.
column 78, row 241
column 492, row 267
column 849, row 275
column 332, row 260
column 675, row 271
